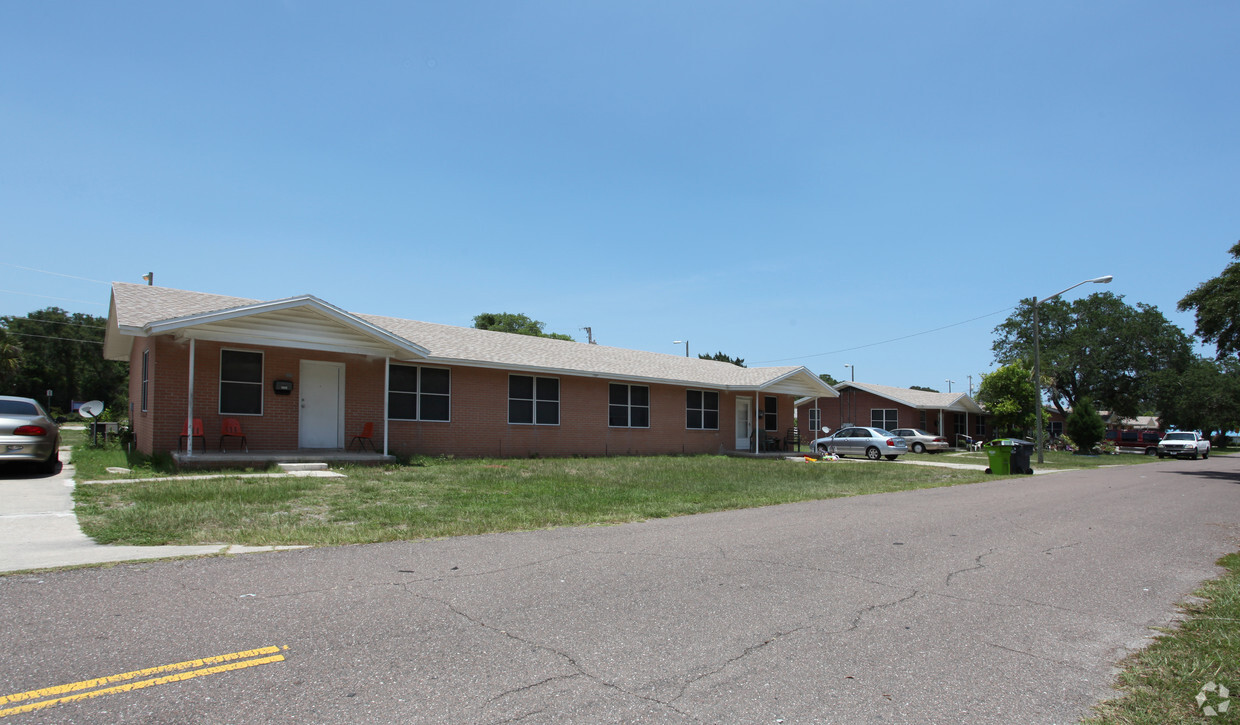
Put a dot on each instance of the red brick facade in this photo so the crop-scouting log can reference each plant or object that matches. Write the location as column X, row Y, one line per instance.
column 478, row 424
column 858, row 407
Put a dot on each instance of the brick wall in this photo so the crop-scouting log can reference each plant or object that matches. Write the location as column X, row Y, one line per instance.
column 479, row 410
column 855, row 407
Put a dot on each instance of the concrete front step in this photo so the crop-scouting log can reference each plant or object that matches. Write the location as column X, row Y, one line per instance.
column 297, row 467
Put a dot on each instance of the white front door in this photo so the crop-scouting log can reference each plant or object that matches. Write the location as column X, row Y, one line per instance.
column 744, row 424
column 321, row 420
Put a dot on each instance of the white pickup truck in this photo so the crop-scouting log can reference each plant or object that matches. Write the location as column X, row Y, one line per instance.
column 1184, row 444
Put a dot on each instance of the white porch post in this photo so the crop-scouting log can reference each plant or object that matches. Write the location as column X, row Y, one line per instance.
column 387, row 379
column 189, row 418
column 941, row 431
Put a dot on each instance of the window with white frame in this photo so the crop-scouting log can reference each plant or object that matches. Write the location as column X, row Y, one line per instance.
column 533, row 400
column 146, row 377
column 815, row 421
column 702, row 409
column 885, row 418
column 241, row 382
column 980, row 428
column 419, row 393
column 628, row 406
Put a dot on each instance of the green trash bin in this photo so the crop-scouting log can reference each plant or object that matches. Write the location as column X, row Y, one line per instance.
column 999, row 454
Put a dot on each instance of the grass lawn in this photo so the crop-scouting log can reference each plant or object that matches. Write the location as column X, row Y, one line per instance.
column 437, row 498
column 1161, row 683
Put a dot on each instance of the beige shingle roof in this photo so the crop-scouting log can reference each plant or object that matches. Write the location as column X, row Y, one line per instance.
column 136, row 308
column 921, row 399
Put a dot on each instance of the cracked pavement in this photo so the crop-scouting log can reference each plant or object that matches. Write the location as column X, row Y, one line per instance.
column 1006, row 601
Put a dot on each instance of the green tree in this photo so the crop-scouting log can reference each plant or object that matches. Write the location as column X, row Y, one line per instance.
column 1217, row 305
column 1009, row 396
column 1085, row 426
column 922, row 388
column 828, row 379
column 63, row 353
column 1205, row 396
column 1096, row 347
column 737, row 361
column 515, row 323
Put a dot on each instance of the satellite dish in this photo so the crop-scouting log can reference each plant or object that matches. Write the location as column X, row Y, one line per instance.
column 91, row 409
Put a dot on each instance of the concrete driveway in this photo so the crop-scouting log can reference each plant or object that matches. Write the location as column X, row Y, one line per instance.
column 998, row 602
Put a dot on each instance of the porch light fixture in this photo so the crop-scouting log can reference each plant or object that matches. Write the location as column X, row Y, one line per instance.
column 1037, row 360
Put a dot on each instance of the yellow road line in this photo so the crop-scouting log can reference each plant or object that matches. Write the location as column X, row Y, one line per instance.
column 140, row 684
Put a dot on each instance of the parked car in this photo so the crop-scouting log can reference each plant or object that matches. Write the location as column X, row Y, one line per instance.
column 1184, row 444
column 920, row 441
column 1135, row 441
column 28, row 434
column 873, row 443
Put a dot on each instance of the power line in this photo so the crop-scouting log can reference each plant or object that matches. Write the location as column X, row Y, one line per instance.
column 884, row 342
column 49, row 297
column 15, row 318
column 57, row 274
column 49, row 337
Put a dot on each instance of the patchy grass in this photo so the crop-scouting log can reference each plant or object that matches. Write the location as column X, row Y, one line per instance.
column 1161, row 683
column 454, row 497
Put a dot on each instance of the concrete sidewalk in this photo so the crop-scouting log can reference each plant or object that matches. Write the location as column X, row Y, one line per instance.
column 38, row 529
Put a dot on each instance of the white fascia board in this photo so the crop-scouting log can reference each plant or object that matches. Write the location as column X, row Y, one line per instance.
column 815, row 383
column 182, row 325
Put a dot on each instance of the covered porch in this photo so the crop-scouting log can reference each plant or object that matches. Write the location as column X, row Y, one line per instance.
column 198, row 460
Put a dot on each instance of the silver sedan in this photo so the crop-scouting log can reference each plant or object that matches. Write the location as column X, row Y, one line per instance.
column 920, row 441
column 873, row 443
column 28, row 434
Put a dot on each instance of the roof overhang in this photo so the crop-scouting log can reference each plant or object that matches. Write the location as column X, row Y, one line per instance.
column 304, row 322
column 960, row 403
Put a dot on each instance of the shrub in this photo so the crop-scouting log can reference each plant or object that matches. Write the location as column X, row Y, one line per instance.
column 1084, row 426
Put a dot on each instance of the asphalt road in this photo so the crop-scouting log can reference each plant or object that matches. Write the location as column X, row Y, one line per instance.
column 1001, row 602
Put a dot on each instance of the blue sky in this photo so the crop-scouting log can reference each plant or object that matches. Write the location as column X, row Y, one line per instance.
column 792, row 182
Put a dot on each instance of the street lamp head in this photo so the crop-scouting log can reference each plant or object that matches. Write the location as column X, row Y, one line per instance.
column 678, row 342
column 1102, row 280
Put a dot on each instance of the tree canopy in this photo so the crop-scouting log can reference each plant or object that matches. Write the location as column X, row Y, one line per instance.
column 515, row 323
column 721, row 357
column 1205, row 396
column 1097, row 347
column 828, row 379
column 1009, row 396
column 1217, row 305
column 922, row 388
column 53, row 350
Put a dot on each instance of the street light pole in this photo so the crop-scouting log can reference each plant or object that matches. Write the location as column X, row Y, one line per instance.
column 949, row 384
column 852, row 370
column 686, row 342
column 1037, row 357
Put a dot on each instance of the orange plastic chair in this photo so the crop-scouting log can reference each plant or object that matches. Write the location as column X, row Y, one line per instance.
column 231, row 428
column 185, row 433
column 366, row 436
